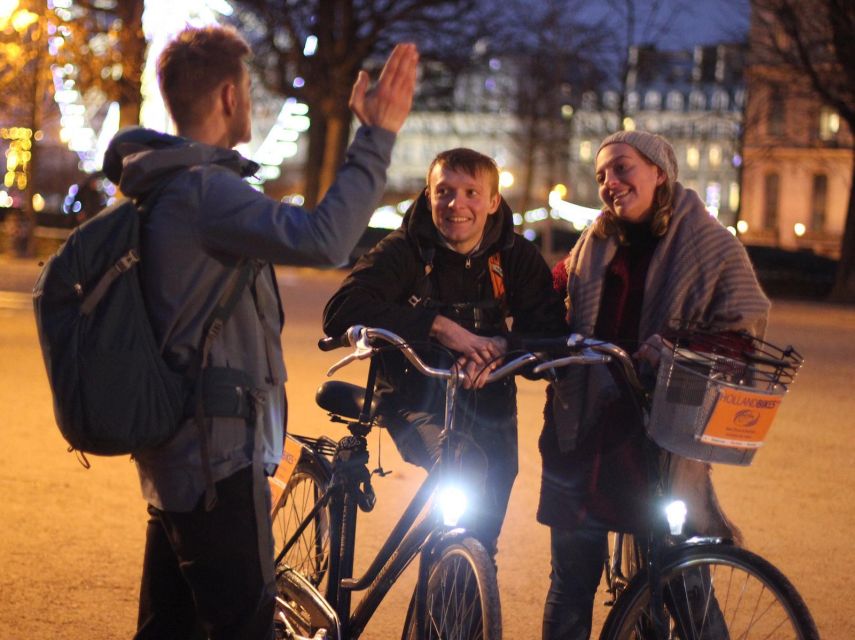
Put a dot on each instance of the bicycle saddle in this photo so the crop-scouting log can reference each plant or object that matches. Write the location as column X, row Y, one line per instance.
column 345, row 399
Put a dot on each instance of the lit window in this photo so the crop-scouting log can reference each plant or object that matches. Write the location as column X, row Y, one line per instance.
column 610, row 99
column 632, row 101
column 652, row 100
column 675, row 101
column 829, row 123
column 733, row 196
column 693, row 157
column 713, row 198
column 586, row 150
column 715, row 155
column 719, row 100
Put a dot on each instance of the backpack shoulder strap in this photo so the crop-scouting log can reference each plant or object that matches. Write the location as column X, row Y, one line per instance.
column 213, row 326
column 143, row 205
column 497, row 275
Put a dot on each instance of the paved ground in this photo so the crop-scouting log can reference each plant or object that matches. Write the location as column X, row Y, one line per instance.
column 71, row 539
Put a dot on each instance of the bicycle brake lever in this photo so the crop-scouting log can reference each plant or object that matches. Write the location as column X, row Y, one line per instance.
column 583, row 359
column 361, row 352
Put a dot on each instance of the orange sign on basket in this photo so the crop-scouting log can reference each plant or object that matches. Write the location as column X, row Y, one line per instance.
column 740, row 419
column 290, row 458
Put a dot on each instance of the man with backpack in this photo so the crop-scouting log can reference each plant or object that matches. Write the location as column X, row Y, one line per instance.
column 451, row 280
column 208, row 243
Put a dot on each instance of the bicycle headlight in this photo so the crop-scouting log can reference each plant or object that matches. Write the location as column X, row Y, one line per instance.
column 452, row 502
column 676, row 513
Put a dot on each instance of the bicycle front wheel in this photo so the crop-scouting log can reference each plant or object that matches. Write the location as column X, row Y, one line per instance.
column 310, row 553
column 714, row 592
column 462, row 596
column 300, row 611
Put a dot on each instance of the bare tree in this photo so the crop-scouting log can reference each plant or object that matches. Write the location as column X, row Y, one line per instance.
column 552, row 63
column 637, row 22
column 106, row 45
column 102, row 41
column 312, row 50
column 23, row 73
column 814, row 40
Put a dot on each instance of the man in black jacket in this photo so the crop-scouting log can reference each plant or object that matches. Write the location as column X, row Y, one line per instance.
column 452, row 280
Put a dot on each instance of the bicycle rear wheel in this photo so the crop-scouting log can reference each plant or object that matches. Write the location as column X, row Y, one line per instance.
column 462, row 599
column 714, row 592
column 310, row 553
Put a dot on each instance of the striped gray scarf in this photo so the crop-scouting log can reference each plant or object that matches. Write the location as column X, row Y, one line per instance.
column 699, row 272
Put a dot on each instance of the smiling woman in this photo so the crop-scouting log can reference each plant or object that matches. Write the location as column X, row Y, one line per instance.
column 653, row 258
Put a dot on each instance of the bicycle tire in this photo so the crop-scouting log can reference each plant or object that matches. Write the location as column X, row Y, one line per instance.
column 714, row 591
column 462, row 568
column 310, row 553
column 299, row 609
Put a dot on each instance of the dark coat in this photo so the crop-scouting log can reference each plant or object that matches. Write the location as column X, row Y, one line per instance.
column 414, row 261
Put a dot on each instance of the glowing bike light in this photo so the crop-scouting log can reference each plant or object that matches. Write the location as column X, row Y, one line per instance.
column 676, row 512
column 452, row 503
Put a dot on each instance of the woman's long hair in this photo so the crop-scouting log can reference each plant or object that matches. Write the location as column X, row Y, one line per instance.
column 608, row 222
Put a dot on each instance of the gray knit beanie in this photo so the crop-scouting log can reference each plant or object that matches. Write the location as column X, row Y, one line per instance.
column 651, row 145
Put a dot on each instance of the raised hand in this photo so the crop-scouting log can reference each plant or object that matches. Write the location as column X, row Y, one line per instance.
column 388, row 102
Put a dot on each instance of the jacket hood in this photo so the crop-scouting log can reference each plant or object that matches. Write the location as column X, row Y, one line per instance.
column 137, row 158
column 419, row 227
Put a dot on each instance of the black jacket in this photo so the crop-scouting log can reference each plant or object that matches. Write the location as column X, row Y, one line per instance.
column 411, row 276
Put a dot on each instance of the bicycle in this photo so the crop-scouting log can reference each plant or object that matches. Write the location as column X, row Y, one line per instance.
column 321, row 486
column 674, row 584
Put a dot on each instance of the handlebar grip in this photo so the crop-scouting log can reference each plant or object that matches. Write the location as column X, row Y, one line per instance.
column 329, row 343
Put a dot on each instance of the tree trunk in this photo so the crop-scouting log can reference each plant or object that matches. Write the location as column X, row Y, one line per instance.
column 24, row 244
column 328, row 136
column 844, row 281
column 133, row 61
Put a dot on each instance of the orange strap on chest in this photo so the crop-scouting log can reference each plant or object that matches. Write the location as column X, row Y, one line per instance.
column 497, row 277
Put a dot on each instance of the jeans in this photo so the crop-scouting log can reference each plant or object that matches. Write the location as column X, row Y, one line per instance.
column 202, row 570
column 578, row 557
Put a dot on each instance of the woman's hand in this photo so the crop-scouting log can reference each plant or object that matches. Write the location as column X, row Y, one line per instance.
column 650, row 350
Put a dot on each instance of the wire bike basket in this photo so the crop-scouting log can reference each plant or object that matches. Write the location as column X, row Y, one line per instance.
column 716, row 395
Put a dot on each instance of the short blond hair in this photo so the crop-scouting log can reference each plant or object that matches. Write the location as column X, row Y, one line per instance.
column 194, row 64
column 470, row 162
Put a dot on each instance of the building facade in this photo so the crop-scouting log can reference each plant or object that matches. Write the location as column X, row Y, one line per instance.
column 695, row 99
column 798, row 163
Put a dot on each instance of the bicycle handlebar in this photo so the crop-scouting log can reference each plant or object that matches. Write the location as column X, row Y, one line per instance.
column 551, row 353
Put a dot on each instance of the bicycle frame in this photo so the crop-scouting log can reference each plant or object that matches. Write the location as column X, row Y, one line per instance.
column 349, row 492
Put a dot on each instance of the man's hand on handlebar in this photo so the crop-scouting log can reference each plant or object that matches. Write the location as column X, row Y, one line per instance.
column 475, row 374
column 479, row 355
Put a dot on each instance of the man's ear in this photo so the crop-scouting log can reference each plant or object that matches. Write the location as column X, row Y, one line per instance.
column 228, row 97
column 494, row 203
